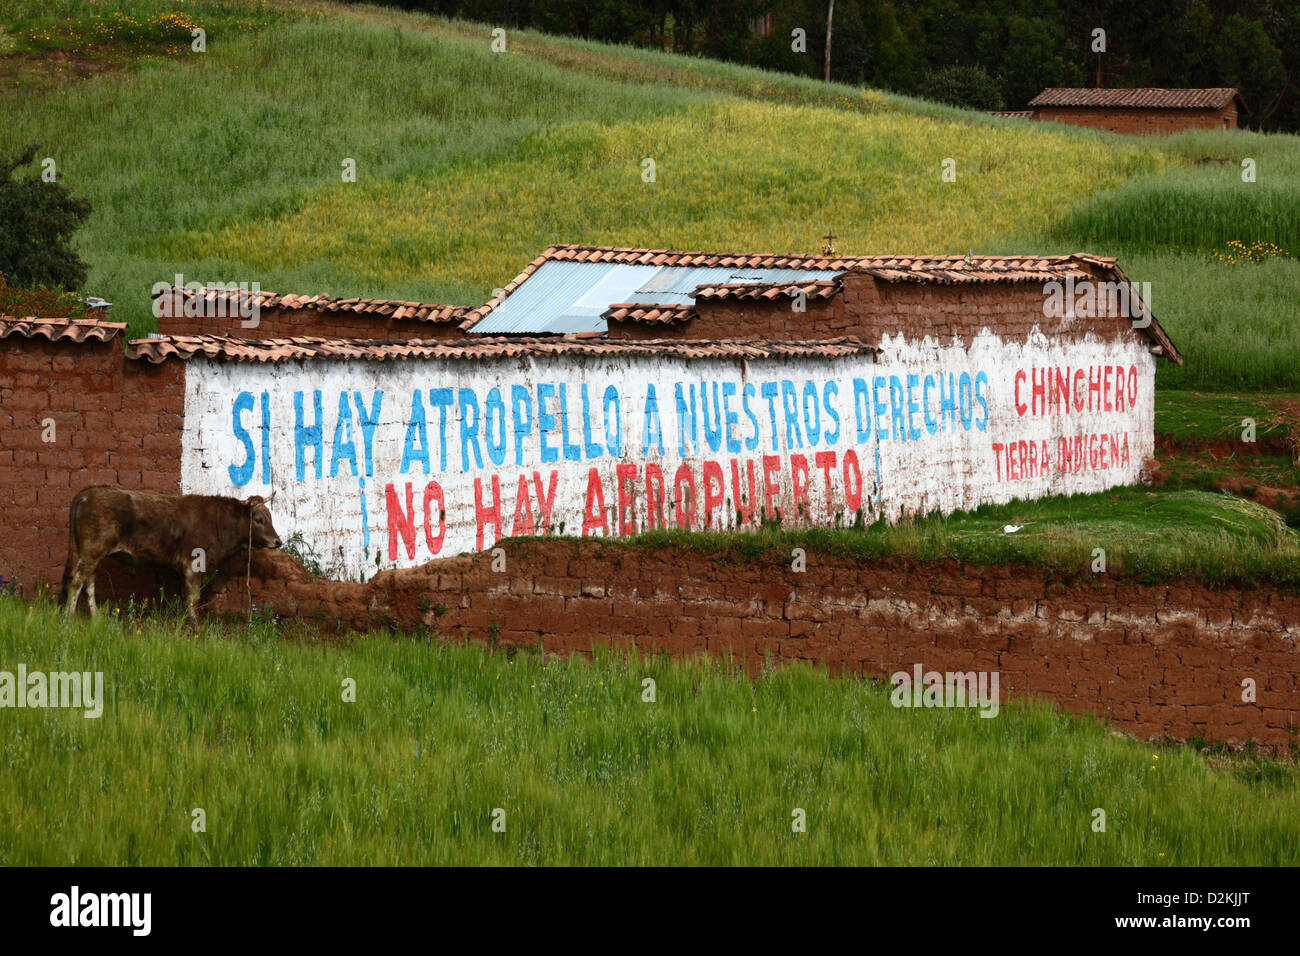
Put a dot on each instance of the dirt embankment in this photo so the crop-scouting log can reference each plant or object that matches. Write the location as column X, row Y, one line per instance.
column 1264, row 471
column 1174, row 659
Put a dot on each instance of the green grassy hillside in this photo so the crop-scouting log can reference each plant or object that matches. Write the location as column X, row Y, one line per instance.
column 226, row 165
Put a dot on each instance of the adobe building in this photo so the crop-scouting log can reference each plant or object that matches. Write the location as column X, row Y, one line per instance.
column 609, row 390
column 604, row 391
column 1139, row 112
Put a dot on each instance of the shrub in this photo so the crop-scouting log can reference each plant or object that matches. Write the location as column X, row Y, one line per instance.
column 967, row 86
column 39, row 219
column 41, row 302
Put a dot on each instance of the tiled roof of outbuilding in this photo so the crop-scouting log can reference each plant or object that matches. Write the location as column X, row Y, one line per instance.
column 74, row 330
column 1213, row 98
column 382, row 308
column 648, row 314
column 815, row 289
column 183, row 347
column 948, row 270
column 892, row 268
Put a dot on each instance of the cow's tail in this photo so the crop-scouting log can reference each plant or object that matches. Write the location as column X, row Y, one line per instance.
column 71, row 561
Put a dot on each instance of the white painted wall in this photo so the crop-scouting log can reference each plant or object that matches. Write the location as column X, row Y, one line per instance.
column 954, row 467
column 957, row 469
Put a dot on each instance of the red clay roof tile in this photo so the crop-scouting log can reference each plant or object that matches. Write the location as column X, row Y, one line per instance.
column 157, row 350
column 416, row 311
column 812, row 289
column 1143, row 98
column 649, row 314
column 56, row 330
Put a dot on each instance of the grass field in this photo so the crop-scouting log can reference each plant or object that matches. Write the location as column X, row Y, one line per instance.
column 253, row 729
column 469, row 163
column 1149, row 535
column 1219, row 415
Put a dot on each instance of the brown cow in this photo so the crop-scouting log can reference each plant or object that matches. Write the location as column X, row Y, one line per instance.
column 181, row 532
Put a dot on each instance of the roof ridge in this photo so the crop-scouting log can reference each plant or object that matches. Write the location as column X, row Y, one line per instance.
column 322, row 302
column 77, row 330
column 79, row 320
column 182, row 347
column 767, row 282
column 1137, row 97
column 747, row 257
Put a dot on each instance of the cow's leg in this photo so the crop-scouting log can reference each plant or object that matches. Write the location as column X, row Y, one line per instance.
column 90, row 594
column 77, row 582
column 192, row 596
column 74, row 594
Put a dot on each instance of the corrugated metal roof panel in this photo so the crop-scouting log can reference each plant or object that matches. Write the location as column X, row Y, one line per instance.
column 564, row 297
column 558, row 298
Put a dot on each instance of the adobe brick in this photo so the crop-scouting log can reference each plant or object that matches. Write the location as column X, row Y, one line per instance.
column 764, row 630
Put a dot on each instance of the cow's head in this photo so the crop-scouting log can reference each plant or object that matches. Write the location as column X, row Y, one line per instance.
column 262, row 531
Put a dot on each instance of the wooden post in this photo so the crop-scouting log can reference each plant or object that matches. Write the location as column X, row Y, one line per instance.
column 830, row 12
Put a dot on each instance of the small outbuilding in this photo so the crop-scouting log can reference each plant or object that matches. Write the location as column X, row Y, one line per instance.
column 1140, row 112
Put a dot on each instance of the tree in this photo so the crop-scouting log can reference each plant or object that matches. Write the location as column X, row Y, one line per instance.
column 39, row 219
column 1247, row 60
column 967, row 86
column 1032, row 57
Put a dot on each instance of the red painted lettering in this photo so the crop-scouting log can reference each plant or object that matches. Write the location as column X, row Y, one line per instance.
column 486, row 516
column 714, row 495
column 593, row 512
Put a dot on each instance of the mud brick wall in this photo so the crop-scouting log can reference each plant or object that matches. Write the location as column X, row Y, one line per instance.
column 115, row 422
column 1156, row 660
column 874, row 308
column 1139, row 122
column 870, row 309
column 274, row 323
column 764, row 320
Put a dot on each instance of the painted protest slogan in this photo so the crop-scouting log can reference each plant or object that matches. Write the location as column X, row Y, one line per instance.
column 385, row 464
